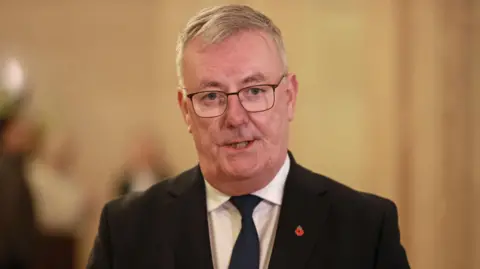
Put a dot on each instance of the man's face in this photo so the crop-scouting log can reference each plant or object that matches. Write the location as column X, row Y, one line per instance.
column 63, row 154
column 143, row 153
column 19, row 136
column 245, row 59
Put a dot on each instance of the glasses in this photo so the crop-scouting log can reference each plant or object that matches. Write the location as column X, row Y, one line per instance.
column 257, row 98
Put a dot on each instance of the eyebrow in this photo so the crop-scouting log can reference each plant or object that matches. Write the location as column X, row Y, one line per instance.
column 251, row 79
column 210, row 84
column 254, row 78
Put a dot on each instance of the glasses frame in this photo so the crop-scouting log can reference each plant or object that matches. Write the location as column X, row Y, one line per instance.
column 273, row 86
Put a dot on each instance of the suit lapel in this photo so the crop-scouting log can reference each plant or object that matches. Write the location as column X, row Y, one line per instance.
column 192, row 243
column 301, row 222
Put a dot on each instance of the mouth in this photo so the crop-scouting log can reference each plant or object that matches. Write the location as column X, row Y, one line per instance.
column 240, row 145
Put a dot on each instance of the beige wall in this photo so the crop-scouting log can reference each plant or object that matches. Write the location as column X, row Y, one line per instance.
column 385, row 102
column 475, row 119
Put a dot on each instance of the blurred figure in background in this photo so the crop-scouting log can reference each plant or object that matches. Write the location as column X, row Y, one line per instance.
column 145, row 166
column 18, row 233
column 61, row 202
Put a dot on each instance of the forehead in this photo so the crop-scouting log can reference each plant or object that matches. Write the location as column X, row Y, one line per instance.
column 231, row 60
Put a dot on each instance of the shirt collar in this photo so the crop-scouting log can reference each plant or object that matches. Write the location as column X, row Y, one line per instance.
column 272, row 193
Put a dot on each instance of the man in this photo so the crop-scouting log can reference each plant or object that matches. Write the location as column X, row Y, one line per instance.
column 145, row 167
column 61, row 204
column 248, row 204
column 18, row 231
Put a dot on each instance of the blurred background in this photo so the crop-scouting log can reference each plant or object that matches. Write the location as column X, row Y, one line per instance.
column 389, row 103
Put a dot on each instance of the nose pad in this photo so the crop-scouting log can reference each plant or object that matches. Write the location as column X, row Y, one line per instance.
column 235, row 113
column 233, row 101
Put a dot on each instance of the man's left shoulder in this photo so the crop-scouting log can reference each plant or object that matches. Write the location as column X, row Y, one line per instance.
column 348, row 201
column 356, row 199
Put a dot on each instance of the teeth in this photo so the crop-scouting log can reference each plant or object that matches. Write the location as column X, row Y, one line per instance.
column 239, row 145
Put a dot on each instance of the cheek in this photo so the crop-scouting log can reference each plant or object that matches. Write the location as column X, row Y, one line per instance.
column 267, row 124
column 274, row 124
column 204, row 132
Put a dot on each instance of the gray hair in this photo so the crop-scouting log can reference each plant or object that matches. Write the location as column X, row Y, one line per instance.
column 215, row 24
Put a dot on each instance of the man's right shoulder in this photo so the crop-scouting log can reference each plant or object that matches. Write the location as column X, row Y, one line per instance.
column 154, row 199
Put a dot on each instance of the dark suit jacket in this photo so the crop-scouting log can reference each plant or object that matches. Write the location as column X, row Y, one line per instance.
column 166, row 227
column 18, row 233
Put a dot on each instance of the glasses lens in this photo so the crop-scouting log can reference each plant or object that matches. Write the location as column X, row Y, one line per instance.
column 258, row 98
column 214, row 103
column 209, row 104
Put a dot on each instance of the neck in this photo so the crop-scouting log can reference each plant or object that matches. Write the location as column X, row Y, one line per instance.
column 242, row 186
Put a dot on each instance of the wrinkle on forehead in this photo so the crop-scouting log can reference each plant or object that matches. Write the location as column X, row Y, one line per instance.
column 239, row 59
column 254, row 78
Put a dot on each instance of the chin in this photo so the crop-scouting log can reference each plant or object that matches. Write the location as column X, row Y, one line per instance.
column 241, row 168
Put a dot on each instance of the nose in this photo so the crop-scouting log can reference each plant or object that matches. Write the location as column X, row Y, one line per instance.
column 235, row 115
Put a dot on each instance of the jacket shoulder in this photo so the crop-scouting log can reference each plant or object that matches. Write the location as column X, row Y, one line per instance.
column 141, row 204
column 349, row 200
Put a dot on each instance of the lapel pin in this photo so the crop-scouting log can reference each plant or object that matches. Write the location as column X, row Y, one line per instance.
column 299, row 231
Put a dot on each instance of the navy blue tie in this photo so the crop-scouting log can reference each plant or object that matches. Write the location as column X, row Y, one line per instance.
column 246, row 251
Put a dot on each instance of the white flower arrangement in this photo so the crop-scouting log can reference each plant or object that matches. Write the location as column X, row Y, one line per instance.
column 11, row 87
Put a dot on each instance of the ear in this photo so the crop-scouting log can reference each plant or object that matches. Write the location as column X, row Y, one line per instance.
column 182, row 100
column 292, row 92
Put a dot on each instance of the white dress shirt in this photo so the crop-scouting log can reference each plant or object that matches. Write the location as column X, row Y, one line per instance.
column 224, row 220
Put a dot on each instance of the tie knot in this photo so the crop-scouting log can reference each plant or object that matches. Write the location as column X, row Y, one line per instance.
column 245, row 204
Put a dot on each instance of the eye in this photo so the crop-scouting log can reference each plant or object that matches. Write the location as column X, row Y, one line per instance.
column 210, row 96
column 255, row 91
